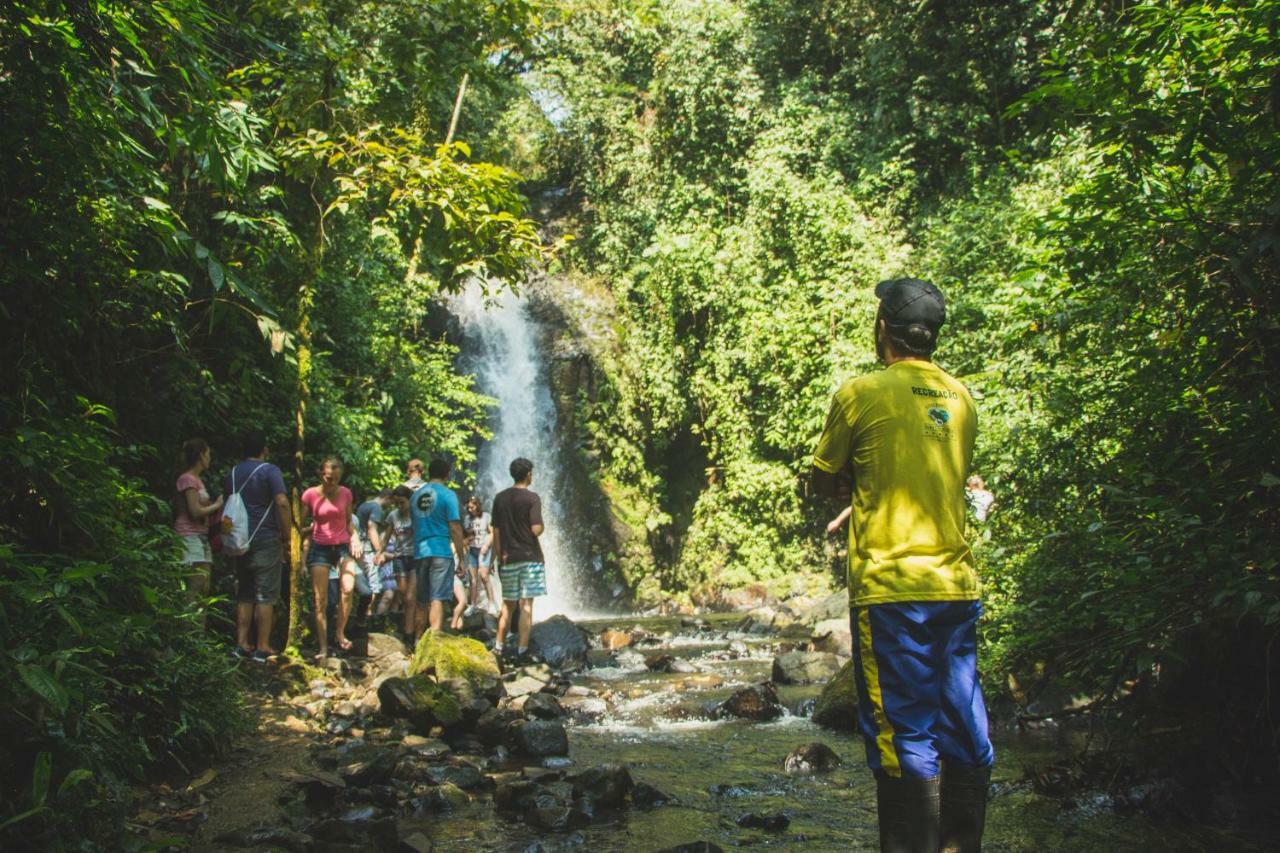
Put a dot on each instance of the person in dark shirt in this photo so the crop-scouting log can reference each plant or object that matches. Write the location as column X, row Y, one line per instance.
column 516, row 525
column 258, row 571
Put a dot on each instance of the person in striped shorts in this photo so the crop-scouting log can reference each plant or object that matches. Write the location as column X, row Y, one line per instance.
column 516, row 526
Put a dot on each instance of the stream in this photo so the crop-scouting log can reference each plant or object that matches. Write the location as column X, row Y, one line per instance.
column 718, row 770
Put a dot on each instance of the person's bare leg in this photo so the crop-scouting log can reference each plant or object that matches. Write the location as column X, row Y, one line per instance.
column 526, row 622
column 460, row 607
column 266, row 615
column 346, row 585
column 244, row 617
column 320, row 606
column 436, row 620
column 504, row 621
column 410, row 605
column 488, row 587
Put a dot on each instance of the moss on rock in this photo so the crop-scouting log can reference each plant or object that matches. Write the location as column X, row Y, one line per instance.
column 837, row 706
column 449, row 657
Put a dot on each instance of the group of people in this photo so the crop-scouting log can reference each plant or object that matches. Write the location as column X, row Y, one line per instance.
column 408, row 551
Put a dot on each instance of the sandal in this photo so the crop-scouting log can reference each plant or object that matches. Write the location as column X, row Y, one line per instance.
column 345, row 645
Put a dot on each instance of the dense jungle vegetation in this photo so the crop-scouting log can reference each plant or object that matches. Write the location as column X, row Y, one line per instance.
column 224, row 215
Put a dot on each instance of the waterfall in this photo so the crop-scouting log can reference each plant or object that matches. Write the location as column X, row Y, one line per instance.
column 501, row 348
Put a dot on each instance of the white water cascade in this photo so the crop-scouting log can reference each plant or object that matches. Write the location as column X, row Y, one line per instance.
column 502, row 350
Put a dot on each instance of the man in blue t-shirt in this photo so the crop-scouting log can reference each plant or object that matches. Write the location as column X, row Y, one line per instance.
column 439, row 547
column 261, row 487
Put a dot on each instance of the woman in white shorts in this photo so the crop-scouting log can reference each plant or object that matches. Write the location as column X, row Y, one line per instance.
column 192, row 511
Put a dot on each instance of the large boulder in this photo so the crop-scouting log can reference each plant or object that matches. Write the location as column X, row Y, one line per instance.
column 607, row 784
column 559, row 642
column 419, row 700
column 804, row 667
column 449, row 657
column 833, row 636
column 837, row 706
column 758, row 702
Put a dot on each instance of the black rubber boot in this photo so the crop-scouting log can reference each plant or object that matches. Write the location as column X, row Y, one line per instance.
column 909, row 814
column 964, row 807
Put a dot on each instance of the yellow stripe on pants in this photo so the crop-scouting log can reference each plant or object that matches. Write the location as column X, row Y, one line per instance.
column 871, row 674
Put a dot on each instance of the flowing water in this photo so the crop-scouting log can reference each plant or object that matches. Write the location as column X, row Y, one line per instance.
column 719, row 770
column 502, row 350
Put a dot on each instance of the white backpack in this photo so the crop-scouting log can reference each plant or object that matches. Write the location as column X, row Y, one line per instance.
column 235, row 518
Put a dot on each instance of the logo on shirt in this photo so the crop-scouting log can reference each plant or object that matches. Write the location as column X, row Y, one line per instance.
column 939, row 415
column 425, row 501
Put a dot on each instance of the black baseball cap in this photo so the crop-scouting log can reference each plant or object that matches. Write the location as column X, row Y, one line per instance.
column 911, row 301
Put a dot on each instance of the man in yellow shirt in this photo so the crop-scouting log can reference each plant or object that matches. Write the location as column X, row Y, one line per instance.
column 898, row 443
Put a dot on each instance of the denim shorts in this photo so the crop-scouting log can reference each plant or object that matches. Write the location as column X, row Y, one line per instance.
column 475, row 561
column 433, row 579
column 329, row 555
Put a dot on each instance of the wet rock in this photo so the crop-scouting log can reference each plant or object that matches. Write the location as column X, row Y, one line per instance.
column 493, row 727
column 267, row 836
column 682, row 666
column 386, row 645
column 833, row 635
column 585, row 709
column 703, row 681
column 694, row 847
column 370, row 766
column 645, row 797
column 660, row 662
column 379, row 833
column 523, row 686
column 464, row 776
column 542, row 737
column 450, row 657
column 630, row 659
column 419, row 700
column 543, row 706
column 609, row 784
column 598, row 658
column 757, row 702
column 611, row 640
column 416, row 843
column 550, row 818
column 557, row 762
column 515, row 795
column 769, row 822
column 559, row 642
column 814, row 757
column 837, row 706
column 731, row 791
column 804, row 667
column 584, row 809
column 426, row 747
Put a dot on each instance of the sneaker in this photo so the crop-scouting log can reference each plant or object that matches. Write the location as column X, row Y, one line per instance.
column 238, row 653
column 260, row 656
column 470, row 611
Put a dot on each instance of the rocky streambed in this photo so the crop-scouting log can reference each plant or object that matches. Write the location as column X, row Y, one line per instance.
column 638, row 733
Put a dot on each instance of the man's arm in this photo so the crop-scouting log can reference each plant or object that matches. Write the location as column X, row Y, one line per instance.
column 837, row 486
column 283, row 519
column 495, row 545
column 459, row 542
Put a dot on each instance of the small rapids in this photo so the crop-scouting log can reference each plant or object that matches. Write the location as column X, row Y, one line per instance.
column 662, row 725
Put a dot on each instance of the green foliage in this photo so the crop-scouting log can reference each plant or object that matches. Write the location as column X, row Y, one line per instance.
column 1094, row 187
column 109, row 665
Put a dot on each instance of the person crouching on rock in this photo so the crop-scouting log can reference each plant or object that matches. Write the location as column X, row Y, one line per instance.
column 516, row 526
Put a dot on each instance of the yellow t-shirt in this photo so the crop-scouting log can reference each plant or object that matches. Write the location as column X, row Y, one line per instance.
column 906, row 434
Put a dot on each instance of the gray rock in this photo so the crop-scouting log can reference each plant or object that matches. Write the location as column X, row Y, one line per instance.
column 804, row 667
column 837, row 705
column 524, row 686
column 543, row 706
column 463, row 776
column 814, row 757
column 267, row 836
column 608, row 784
column 770, row 822
column 559, row 642
column 645, row 797
column 542, row 737
column 370, row 766
column 757, row 702
column 833, row 636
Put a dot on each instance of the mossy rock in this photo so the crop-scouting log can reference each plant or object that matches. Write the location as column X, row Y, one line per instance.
column 449, row 657
column 419, row 700
column 837, row 706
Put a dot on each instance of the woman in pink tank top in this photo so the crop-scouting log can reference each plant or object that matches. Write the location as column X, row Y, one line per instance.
column 332, row 551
